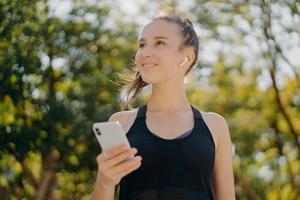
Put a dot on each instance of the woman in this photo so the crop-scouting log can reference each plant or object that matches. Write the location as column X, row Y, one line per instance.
column 183, row 153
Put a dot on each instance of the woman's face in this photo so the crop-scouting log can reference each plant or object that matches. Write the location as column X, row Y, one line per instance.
column 159, row 56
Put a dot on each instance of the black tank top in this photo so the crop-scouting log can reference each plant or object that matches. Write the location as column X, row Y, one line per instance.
column 171, row 169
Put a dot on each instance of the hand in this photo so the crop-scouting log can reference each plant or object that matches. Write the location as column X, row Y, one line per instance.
column 114, row 164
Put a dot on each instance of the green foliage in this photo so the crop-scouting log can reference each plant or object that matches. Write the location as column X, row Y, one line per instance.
column 57, row 77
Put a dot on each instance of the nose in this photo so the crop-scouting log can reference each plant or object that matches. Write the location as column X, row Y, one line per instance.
column 146, row 52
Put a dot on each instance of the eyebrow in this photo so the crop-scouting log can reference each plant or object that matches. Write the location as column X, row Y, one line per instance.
column 156, row 37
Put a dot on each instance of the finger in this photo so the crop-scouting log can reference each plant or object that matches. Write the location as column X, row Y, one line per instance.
column 121, row 157
column 128, row 169
column 127, row 164
column 112, row 152
column 116, row 150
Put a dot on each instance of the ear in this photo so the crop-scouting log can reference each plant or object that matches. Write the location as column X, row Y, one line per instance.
column 190, row 54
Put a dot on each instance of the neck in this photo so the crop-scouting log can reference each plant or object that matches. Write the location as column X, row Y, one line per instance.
column 168, row 98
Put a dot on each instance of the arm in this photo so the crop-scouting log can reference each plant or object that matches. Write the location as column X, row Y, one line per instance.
column 103, row 192
column 223, row 180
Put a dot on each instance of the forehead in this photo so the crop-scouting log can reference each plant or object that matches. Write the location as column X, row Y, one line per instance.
column 162, row 28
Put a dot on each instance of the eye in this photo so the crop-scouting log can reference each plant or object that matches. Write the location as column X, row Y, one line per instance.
column 141, row 45
column 160, row 43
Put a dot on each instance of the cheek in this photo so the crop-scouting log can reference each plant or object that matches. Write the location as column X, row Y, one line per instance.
column 172, row 61
column 137, row 58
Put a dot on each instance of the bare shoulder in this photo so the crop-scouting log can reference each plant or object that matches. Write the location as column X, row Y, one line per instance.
column 217, row 125
column 125, row 118
column 215, row 117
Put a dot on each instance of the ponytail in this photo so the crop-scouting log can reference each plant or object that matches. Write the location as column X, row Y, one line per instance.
column 132, row 86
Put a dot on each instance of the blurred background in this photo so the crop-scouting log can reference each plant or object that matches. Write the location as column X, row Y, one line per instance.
column 59, row 65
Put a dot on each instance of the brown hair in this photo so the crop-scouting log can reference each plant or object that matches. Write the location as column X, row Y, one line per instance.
column 133, row 81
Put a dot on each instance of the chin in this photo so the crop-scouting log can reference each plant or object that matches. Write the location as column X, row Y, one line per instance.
column 149, row 80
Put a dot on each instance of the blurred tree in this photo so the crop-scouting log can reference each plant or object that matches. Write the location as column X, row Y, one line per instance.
column 253, row 83
column 57, row 79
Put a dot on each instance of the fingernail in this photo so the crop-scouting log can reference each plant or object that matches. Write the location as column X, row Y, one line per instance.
column 138, row 158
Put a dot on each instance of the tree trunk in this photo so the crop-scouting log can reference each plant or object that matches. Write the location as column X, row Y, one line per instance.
column 247, row 188
column 48, row 178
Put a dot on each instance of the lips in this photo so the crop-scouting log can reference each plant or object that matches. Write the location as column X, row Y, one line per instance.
column 149, row 65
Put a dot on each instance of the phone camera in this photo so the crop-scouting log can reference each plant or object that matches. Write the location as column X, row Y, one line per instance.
column 98, row 131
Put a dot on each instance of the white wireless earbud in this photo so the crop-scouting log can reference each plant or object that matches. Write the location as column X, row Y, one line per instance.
column 186, row 59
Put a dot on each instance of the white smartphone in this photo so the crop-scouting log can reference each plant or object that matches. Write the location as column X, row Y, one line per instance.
column 110, row 134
